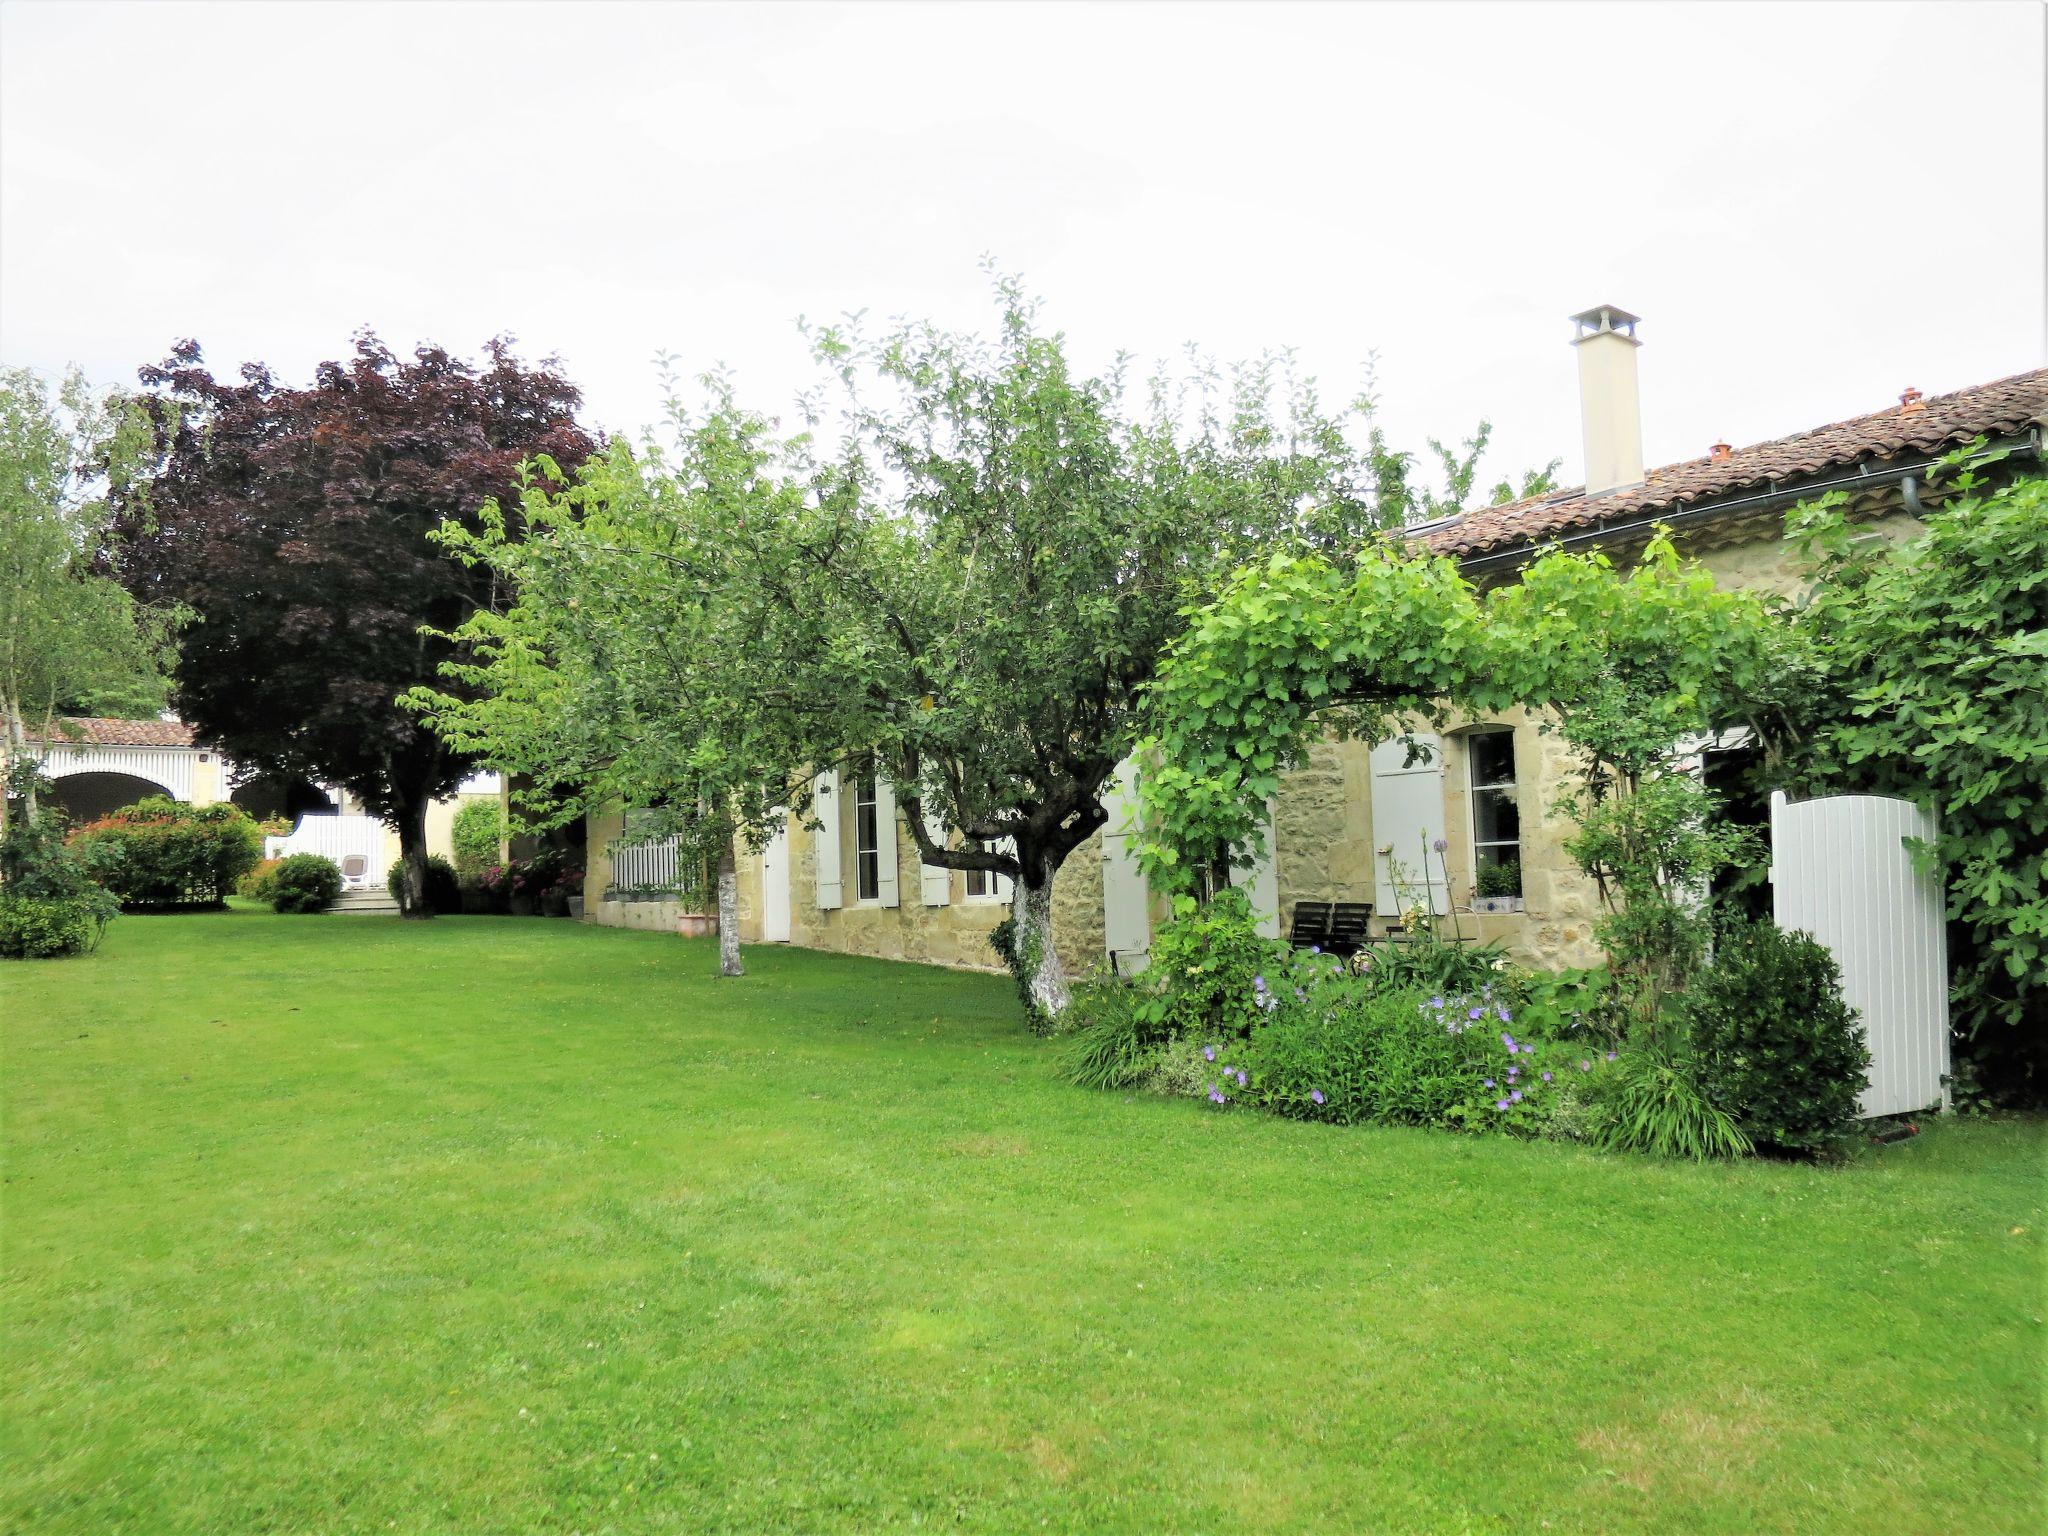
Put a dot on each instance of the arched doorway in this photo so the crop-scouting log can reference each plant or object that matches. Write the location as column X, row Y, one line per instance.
column 83, row 797
column 287, row 799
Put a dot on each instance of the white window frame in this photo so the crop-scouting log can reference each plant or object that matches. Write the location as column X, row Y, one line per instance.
column 867, row 796
column 1473, row 787
column 1000, row 887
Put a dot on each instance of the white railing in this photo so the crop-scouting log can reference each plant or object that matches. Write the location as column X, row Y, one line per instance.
column 337, row 838
column 657, row 868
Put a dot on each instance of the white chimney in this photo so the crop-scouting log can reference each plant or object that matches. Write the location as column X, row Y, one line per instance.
column 1610, row 404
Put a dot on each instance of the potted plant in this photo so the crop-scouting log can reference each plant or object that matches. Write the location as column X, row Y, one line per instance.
column 522, row 887
column 560, row 892
column 1499, row 888
column 693, row 925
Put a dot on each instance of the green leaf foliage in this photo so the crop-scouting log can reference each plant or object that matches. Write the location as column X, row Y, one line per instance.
column 1934, row 654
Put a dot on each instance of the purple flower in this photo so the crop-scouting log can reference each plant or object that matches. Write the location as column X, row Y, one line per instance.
column 1315, row 949
column 1513, row 1073
column 1488, row 1083
column 1208, row 1053
column 1505, row 1016
column 1585, row 1066
column 1316, row 1096
column 1528, row 1050
column 1500, row 1104
column 1516, row 1096
column 1546, row 1077
column 1439, row 845
column 1436, row 1002
column 1258, row 983
column 1506, row 1040
column 1242, row 1080
column 1215, row 1094
column 1610, row 1055
column 1476, row 1013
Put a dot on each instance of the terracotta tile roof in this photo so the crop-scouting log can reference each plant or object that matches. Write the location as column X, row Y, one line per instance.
column 1915, row 426
column 97, row 731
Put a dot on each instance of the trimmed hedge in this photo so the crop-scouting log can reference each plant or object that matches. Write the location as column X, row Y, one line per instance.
column 162, row 852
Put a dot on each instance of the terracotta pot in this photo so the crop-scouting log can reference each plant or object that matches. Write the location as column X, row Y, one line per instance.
column 693, row 925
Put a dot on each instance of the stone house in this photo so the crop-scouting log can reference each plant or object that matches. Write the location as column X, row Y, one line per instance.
column 1359, row 821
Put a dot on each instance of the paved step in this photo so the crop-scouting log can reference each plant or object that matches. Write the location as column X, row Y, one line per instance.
column 377, row 901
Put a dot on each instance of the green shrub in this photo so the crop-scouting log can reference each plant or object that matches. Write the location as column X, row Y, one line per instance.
column 1774, row 1041
column 1110, row 1044
column 162, row 852
column 444, row 887
column 1207, row 963
column 42, row 928
column 478, row 833
column 305, row 882
column 1654, row 1103
column 261, row 882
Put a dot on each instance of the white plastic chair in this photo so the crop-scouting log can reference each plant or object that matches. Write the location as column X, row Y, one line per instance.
column 355, row 871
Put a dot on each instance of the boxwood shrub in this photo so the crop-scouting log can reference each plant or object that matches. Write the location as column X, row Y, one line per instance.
column 305, row 882
column 444, row 888
column 1773, row 1041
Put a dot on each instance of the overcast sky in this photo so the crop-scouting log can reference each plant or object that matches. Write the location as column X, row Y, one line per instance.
column 1813, row 207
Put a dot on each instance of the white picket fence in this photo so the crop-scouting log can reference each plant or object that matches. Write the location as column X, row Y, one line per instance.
column 336, row 837
column 1841, row 871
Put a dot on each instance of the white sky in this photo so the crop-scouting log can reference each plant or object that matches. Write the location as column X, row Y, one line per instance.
column 1812, row 206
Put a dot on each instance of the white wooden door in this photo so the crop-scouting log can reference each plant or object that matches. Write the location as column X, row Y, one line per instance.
column 1126, row 895
column 1841, row 871
column 775, row 888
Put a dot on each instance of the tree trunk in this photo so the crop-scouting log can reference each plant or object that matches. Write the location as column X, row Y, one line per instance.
column 1045, row 977
column 412, row 852
column 729, row 913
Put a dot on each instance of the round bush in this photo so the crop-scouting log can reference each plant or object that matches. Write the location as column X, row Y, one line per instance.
column 1774, row 1043
column 444, row 888
column 305, row 882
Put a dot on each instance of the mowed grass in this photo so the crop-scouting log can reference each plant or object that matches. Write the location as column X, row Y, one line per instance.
column 341, row 1224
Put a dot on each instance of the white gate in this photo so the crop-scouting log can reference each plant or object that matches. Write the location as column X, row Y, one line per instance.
column 1841, row 871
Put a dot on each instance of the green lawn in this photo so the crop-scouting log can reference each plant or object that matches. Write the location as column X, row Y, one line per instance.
column 338, row 1224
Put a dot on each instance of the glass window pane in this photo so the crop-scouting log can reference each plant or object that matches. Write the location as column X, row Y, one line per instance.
column 1492, row 755
column 1495, row 816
